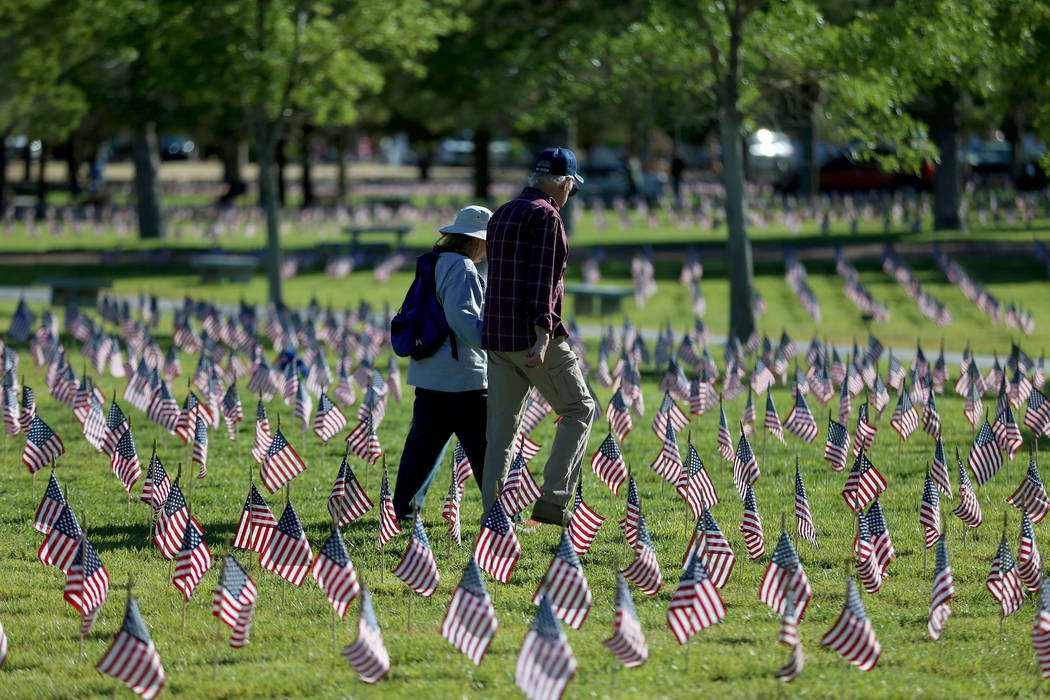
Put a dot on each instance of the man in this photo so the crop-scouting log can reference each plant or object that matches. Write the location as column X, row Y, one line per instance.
column 522, row 331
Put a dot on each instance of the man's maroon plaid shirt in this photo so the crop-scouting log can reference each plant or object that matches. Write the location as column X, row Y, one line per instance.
column 527, row 250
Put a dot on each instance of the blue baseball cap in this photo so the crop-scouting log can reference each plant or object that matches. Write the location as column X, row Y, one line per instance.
column 557, row 161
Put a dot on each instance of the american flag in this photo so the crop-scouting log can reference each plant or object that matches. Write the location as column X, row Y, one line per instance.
column 761, row 377
column 281, row 464
column 1030, row 496
column 262, row 434
column 520, row 489
column 751, row 527
column 668, row 464
column 87, row 585
column 701, row 394
column 863, row 484
column 845, row 404
column 608, row 464
column 939, row 469
column 584, row 524
column 526, row 446
column 880, row 537
column 388, row 528
column 125, row 461
column 1037, row 413
column 132, row 658
column 695, row 604
column 364, row 442
column 164, row 411
column 772, row 419
column 1040, row 631
column 50, row 506
column 461, row 466
column 367, row 655
column 644, row 570
column 200, row 447
column 290, row 385
column 905, row 418
column 1029, row 563
column 745, row 466
column 157, row 486
column 803, row 517
column 837, row 447
column 417, row 567
column 694, row 484
column 21, row 322
column 931, row 419
column 172, row 368
column 374, row 402
column 12, row 421
column 62, row 543
column 116, row 425
column 632, row 514
column 344, row 391
column 470, row 622
column 257, row 524
column 393, row 379
column 943, row 591
column 865, row 431
column 171, row 523
column 329, row 419
column 545, row 663
column 288, row 554
column 192, row 408
column 28, row 408
column 497, row 549
column 1003, row 582
column 234, row 601
column 619, row 416
column 93, row 426
column 852, row 635
column 880, row 397
column 800, row 421
column 725, row 438
column 968, row 510
column 194, row 560
column 42, row 446
column 304, row 405
column 1020, row 389
column 261, row 384
column 347, row 501
column 930, row 512
column 669, row 412
column 565, row 586
column 713, row 549
column 335, row 574
column 450, row 512
column 1006, row 432
column 985, row 459
column 536, row 409
column 974, row 406
column 628, row 640
column 895, row 373
column 785, row 578
column 869, row 566
column 232, row 410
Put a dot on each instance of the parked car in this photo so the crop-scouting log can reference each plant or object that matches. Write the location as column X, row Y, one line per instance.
column 770, row 155
column 458, row 149
column 845, row 172
column 177, row 148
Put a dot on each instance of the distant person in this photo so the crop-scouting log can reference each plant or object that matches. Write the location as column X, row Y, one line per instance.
column 526, row 339
column 677, row 170
column 451, row 385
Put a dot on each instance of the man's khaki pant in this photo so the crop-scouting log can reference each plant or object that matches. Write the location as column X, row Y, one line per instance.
column 560, row 382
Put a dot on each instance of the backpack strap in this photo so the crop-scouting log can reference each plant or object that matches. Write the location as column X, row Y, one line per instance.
column 433, row 291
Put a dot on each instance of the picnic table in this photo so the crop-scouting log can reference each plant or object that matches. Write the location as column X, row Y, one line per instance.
column 223, row 267
column 398, row 231
column 79, row 291
column 597, row 299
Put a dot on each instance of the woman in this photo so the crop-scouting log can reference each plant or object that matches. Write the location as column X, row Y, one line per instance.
column 451, row 392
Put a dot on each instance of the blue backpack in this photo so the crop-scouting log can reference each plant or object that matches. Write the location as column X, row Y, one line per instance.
column 420, row 327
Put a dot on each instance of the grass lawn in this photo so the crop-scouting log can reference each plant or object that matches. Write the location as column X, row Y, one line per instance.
column 290, row 654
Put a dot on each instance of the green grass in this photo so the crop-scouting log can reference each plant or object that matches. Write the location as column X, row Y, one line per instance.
column 290, row 654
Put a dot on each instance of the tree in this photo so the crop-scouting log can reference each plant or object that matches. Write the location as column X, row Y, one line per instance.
column 289, row 61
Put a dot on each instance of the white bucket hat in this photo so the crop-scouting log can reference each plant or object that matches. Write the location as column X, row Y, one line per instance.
column 471, row 221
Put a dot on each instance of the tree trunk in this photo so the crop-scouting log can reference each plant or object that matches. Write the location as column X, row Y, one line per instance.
column 1014, row 136
column 307, row 176
column 147, row 194
column 809, row 173
column 281, row 159
column 27, row 161
column 341, row 189
column 41, row 183
column 266, row 147
column 482, row 167
column 947, row 181
column 3, row 170
column 741, row 275
column 72, row 176
column 233, row 154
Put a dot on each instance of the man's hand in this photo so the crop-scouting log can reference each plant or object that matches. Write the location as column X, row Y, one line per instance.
column 535, row 355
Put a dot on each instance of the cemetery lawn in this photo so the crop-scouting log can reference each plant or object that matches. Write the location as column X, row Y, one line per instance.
column 291, row 655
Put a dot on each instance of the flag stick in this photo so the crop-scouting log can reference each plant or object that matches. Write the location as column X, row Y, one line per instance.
column 1001, row 615
column 83, row 569
column 218, row 620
